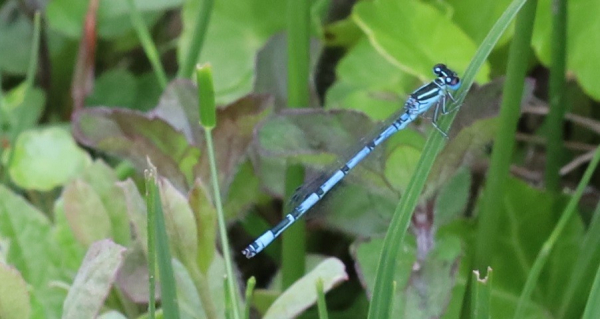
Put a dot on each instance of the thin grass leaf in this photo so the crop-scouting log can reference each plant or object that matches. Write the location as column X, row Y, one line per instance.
column 382, row 292
column 147, row 44
column 481, row 299
column 298, row 52
column 193, row 54
column 165, row 268
column 544, row 253
column 592, row 309
column 249, row 291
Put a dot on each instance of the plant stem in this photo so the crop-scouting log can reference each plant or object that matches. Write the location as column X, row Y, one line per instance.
column 493, row 196
column 554, row 122
column 298, row 13
column 197, row 41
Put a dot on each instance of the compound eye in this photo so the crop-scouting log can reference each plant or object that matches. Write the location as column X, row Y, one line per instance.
column 439, row 69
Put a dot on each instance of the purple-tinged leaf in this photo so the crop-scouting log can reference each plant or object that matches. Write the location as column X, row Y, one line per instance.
column 85, row 213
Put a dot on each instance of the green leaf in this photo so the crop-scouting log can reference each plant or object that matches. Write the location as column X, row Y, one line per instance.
column 239, row 28
column 94, row 280
column 583, row 40
column 362, row 86
column 46, row 158
column 31, row 251
column 14, row 298
column 423, row 288
column 113, row 19
column 425, row 36
column 302, row 293
column 116, row 87
column 103, row 180
column 23, row 107
column 85, row 213
column 16, row 33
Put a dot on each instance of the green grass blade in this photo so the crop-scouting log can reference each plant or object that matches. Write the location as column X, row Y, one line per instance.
column 542, row 256
column 249, row 292
column 558, row 91
column 156, row 218
column 588, row 258
column 504, row 142
column 481, row 295
column 298, row 28
column 592, row 309
column 383, row 291
column 187, row 67
column 147, row 44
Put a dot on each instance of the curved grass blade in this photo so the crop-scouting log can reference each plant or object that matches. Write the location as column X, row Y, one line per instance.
column 383, row 291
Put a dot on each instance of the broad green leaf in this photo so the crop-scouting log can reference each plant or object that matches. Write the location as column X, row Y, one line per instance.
column 66, row 16
column 475, row 18
column 85, row 213
column 583, row 40
column 69, row 251
column 192, row 302
column 302, row 294
column 16, row 33
column 103, row 180
column 46, row 158
column 363, row 86
column 517, row 246
column 30, row 251
column 94, row 280
column 115, row 87
column 423, row 38
column 423, row 288
column 14, row 298
column 239, row 29
column 23, row 108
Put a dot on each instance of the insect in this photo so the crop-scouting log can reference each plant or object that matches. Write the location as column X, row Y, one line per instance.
column 434, row 93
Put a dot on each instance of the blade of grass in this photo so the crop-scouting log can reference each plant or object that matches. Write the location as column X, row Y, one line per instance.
column 592, row 309
column 146, row 41
column 383, row 291
column 249, row 292
column 321, row 304
column 191, row 58
column 481, row 295
column 518, row 58
column 168, row 289
column 542, row 256
column 35, row 48
column 151, row 193
column 207, row 109
column 298, row 28
column 589, row 256
column 554, row 121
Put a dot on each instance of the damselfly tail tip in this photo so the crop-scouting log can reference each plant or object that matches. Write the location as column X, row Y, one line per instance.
column 249, row 252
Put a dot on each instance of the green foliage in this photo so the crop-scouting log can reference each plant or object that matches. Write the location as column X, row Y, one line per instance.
column 74, row 235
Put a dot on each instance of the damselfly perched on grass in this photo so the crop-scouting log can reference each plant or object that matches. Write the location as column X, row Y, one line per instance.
column 419, row 102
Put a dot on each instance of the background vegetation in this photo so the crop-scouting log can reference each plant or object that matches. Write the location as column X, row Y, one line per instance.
column 106, row 164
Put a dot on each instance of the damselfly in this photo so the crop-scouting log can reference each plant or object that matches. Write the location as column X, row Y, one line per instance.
column 420, row 101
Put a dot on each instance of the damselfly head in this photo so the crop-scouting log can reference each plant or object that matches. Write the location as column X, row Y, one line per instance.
column 442, row 70
column 439, row 68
